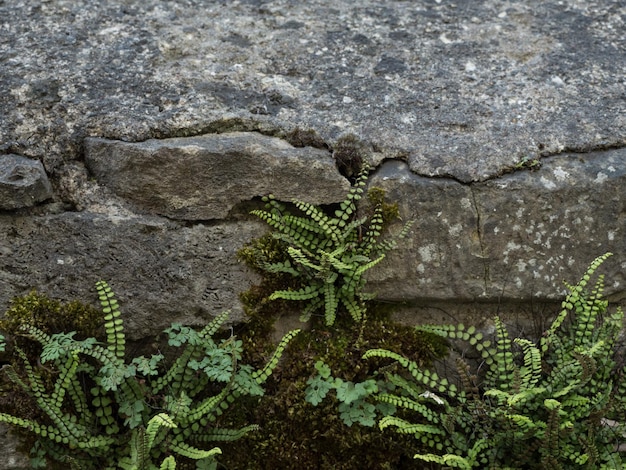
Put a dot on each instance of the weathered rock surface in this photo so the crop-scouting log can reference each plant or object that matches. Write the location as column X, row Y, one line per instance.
column 519, row 236
column 204, row 177
column 462, row 89
column 453, row 103
column 161, row 272
column 11, row 460
column 23, row 182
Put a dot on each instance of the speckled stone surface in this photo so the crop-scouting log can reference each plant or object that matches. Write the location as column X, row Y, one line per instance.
column 464, row 89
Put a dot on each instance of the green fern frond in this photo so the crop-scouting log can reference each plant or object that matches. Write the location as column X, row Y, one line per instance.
column 169, row 463
column 305, row 293
column 530, row 373
column 331, row 301
column 541, row 404
column 354, row 307
column 283, row 267
column 327, row 249
column 261, row 375
column 573, row 301
column 500, row 374
column 404, row 427
column 205, row 407
column 161, row 420
column 66, row 375
column 448, row 460
column 226, row 435
column 364, row 267
column 412, row 405
column 314, row 305
column 114, row 325
column 194, row 453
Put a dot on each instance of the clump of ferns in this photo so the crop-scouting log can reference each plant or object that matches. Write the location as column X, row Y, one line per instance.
column 105, row 412
column 328, row 255
column 559, row 403
column 51, row 316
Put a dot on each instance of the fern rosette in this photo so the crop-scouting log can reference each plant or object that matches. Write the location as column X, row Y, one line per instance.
column 556, row 403
column 328, row 254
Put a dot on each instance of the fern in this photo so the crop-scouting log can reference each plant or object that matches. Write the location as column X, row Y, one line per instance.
column 541, row 405
column 114, row 325
column 328, row 254
column 135, row 414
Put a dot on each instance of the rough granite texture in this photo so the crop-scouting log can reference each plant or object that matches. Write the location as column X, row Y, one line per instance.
column 453, row 102
column 136, row 136
column 461, row 89
column 23, row 182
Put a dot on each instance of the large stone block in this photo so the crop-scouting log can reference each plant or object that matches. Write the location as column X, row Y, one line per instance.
column 541, row 228
column 443, row 256
column 23, row 182
column 519, row 236
column 161, row 272
column 201, row 178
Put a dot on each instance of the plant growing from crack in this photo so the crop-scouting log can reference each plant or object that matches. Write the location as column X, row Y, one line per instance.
column 328, row 254
column 528, row 163
column 557, row 403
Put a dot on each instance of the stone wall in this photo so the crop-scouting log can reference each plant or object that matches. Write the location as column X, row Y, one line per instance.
column 135, row 137
column 162, row 221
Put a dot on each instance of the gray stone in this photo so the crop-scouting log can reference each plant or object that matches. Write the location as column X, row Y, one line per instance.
column 11, row 460
column 464, row 89
column 519, row 236
column 541, row 228
column 440, row 257
column 23, row 182
column 205, row 177
column 161, row 272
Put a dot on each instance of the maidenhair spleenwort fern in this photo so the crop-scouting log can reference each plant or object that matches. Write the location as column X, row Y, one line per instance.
column 329, row 254
column 103, row 412
column 556, row 404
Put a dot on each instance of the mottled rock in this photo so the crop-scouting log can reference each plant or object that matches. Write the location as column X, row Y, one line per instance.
column 463, row 89
column 519, row 236
column 442, row 256
column 161, row 272
column 11, row 460
column 23, row 182
column 540, row 228
column 204, row 177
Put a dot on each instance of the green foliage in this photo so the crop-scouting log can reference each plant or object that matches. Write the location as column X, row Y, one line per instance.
column 353, row 407
column 328, row 254
column 539, row 405
column 297, row 434
column 51, row 315
column 528, row 163
column 104, row 412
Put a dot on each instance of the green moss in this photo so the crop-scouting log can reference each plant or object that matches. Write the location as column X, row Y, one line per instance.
column 296, row 434
column 51, row 316
column 391, row 212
